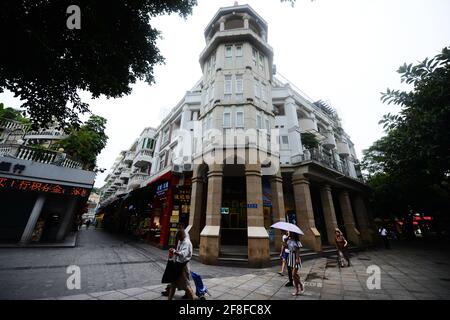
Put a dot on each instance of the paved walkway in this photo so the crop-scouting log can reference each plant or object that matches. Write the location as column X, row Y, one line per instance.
column 112, row 269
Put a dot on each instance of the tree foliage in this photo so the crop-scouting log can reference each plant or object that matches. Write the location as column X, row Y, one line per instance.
column 410, row 166
column 46, row 64
column 12, row 114
column 309, row 140
column 86, row 142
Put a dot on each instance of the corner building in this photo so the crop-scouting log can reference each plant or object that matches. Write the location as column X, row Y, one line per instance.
column 236, row 137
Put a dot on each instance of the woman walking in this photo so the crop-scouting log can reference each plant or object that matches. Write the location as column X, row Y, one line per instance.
column 182, row 274
column 294, row 262
column 342, row 247
column 284, row 252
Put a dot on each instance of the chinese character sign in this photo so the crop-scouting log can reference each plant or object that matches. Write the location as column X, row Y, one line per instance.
column 26, row 185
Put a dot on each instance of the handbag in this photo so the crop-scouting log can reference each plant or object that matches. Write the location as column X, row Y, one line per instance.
column 169, row 272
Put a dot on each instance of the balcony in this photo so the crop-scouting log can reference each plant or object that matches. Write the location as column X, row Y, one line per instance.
column 39, row 155
column 11, row 125
column 45, row 135
column 143, row 158
column 327, row 161
column 125, row 174
column 121, row 191
column 129, row 157
column 136, row 179
column 118, row 182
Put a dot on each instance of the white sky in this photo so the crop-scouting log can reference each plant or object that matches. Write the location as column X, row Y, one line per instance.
column 343, row 51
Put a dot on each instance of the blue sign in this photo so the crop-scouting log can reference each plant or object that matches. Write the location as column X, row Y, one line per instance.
column 162, row 188
column 224, row 210
column 252, row 205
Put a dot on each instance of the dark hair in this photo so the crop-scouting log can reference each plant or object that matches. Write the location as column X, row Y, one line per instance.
column 295, row 236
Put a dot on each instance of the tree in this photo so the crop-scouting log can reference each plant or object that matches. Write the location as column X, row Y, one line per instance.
column 47, row 63
column 86, row 142
column 12, row 114
column 410, row 165
column 309, row 140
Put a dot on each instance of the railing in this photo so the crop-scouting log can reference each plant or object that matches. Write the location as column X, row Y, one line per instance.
column 39, row 155
column 12, row 125
column 327, row 160
column 53, row 133
column 137, row 178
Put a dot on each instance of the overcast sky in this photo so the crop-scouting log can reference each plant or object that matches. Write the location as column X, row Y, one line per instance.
column 343, row 51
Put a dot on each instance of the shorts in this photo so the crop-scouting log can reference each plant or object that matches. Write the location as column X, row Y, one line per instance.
column 284, row 256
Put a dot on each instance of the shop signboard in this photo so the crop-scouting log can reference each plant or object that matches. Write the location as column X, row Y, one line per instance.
column 28, row 185
column 162, row 188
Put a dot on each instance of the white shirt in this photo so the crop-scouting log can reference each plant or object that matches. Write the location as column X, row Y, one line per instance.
column 184, row 250
column 284, row 238
column 383, row 232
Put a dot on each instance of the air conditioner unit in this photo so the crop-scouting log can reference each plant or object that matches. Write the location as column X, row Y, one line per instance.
column 177, row 168
column 187, row 167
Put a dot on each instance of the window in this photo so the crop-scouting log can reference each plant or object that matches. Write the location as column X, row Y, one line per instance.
column 258, row 121
column 255, row 57
column 239, row 83
column 267, row 123
column 239, row 50
column 194, row 115
column 257, row 88
column 239, row 87
column 263, row 91
column 279, row 110
column 261, row 61
column 226, row 120
column 228, row 51
column 284, row 141
column 213, row 61
column 207, row 67
column 239, row 118
column 162, row 160
column 211, row 92
column 165, row 136
column 227, row 88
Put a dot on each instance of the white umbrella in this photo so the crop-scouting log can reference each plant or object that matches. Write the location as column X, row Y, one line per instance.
column 286, row 226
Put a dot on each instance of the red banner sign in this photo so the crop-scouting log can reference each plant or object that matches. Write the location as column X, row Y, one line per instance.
column 26, row 185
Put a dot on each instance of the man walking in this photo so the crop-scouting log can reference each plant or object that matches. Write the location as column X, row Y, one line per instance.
column 384, row 235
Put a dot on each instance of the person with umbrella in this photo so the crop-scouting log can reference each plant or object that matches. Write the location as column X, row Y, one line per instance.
column 293, row 259
column 294, row 263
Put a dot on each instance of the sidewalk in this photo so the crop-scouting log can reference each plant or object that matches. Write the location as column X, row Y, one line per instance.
column 400, row 279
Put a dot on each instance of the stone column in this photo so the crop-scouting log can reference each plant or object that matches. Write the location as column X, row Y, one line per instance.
column 362, row 217
column 195, row 213
column 67, row 218
column 295, row 144
column 328, row 212
column 32, row 220
column 353, row 234
column 210, row 235
column 305, row 213
column 258, row 238
column 279, row 212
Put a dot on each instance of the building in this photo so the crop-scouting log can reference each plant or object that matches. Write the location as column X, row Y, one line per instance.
column 229, row 159
column 41, row 191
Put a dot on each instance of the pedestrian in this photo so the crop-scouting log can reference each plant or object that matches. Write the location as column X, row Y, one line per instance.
column 88, row 223
column 182, row 274
column 169, row 265
column 294, row 263
column 384, row 235
column 284, row 252
column 342, row 246
column 80, row 223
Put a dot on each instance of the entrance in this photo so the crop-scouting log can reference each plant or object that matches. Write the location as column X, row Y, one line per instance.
column 234, row 206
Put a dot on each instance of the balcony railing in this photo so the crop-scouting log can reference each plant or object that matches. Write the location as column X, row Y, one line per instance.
column 328, row 161
column 12, row 125
column 136, row 179
column 39, row 155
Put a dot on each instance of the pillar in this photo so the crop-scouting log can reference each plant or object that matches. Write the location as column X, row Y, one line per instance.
column 32, row 220
column 210, row 235
column 278, row 210
column 353, row 234
column 362, row 217
column 305, row 213
column 67, row 218
column 295, row 144
column 258, row 238
column 195, row 213
column 328, row 212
